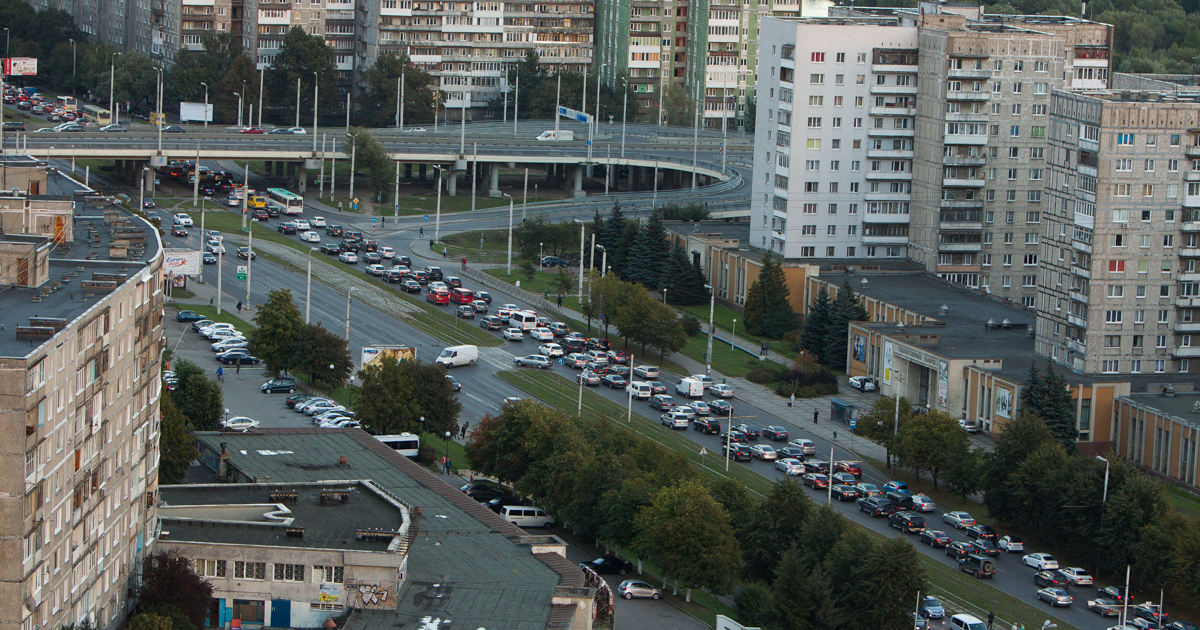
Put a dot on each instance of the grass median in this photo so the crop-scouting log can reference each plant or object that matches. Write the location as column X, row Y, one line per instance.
column 959, row 591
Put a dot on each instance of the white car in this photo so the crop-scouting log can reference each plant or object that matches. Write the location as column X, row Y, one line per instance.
column 299, row 131
column 1040, row 561
column 1011, row 544
column 970, row 426
column 340, row 423
column 808, row 447
column 215, row 247
column 648, row 372
column 862, row 383
column 414, row 130
column 506, row 310
column 310, row 237
column 960, row 520
column 437, row 285
column 239, row 423
column 332, row 415
column 233, row 202
column 184, row 220
column 350, row 258
column 322, row 407
column 301, row 407
column 513, row 334
column 216, row 326
column 301, row 224
column 375, row 270
column 318, row 222
column 922, row 503
column 791, row 467
column 763, row 452
column 387, row 252
column 720, row 390
column 550, row 350
column 541, row 334
column 704, row 379
column 1077, row 576
column 230, row 344
column 685, row 410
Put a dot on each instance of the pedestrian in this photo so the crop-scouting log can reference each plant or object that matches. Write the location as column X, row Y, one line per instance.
column 238, row 368
column 445, row 253
column 457, row 429
column 464, row 429
column 816, row 415
column 560, row 301
column 762, row 352
column 448, row 466
column 339, row 206
column 792, row 400
column 220, row 375
column 421, row 231
column 239, row 307
column 383, row 220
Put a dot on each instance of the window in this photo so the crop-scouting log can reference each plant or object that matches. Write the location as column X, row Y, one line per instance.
column 1160, row 341
column 1123, row 165
column 1031, row 260
column 1120, row 216
column 289, row 572
column 1112, row 317
column 1147, row 191
column 1014, row 131
column 1109, row 367
column 815, row 143
column 841, row 57
column 781, row 182
column 1039, row 110
column 1125, row 139
column 1112, row 341
column 1037, row 131
column 248, row 611
column 1029, row 280
column 810, row 208
column 811, row 187
column 818, row 57
column 808, row 230
column 210, row 568
column 1149, row 166
column 816, row 101
column 816, row 79
column 250, row 570
column 1116, row 291
column 1037, row 153
column 1116, row 266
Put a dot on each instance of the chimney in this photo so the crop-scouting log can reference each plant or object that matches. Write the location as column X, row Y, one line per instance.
column 342, row 463
column 223, row 464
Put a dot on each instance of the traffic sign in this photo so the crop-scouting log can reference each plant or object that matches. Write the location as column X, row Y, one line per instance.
column 573, row 114
column 396, row 208
column 374, row 219
column 427, row 217
column 157, row 182
column 587, row 142
column 241, row 272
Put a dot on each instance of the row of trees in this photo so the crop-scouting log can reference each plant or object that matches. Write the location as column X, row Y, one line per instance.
column 768, row 308
column 638, row 317
column 828, row 323
column 642, row 253
column 285, row 343
column 406, row 397
column 796, row 562
column 926, row 443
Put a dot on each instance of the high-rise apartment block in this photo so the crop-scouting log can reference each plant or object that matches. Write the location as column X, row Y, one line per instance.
column 918, row 135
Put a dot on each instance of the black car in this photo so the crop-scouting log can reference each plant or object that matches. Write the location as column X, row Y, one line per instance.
column 400, row 259
column 435, row 273
column 296, row 399
column 393, row 276
column 876, row 506
column 411, row 286
column 466, row 311
column 210, row 258
column 775, row 433
column 260, row 215
column 984, row 547
column 734, row 437
column 1050, row 578
column 788, row 452
column 240, row 359
column 483, row 295
column 751, row 432
column 333, row 230
column 569, row 344
column 188, row 316
column 597, row 344
column 958, row 550
column 720, row 407
column 286, row 228
column 737, row 452
column 333, row 249
column 173, row 129
column 843, row 492
column 491, row 322
column 553, row 261
column 279, row 385
column 499, row 502
column 984, row 532
column 351, row 245
column 706, row 425
column 1149, row 612
column 243, row 252
column 372, row 258
column 484, row 491
column 453, row 282
column 454, row 384
column 608, row 565
column 935, row 538
column 1112, row 592
column 816, row 466
column 613, row 381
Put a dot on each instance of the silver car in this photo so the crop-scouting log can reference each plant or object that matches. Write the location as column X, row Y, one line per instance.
column 637, row 588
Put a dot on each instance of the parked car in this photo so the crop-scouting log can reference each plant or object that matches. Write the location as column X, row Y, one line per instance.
column 239, row 423
column 862, row 383
column 609, row 565
column 188, row 316
column 484, row 491
column 637, row 588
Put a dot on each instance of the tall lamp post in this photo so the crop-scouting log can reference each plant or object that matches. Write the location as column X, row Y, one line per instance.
column 508, row 265
column 712, row 303
column 1106, row 467
column 239, row 118
column 205, row 104
column 308, row 287
column 603, row 260
column 112, row 73
column 447, row 452
column 582, row 228
column 624, row 111
column 348, row 293
column 72, row 67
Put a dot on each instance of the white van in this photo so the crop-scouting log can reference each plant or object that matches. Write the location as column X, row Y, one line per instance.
column 456, row 356
column 524, row 321
column 561, row 135
column 526, row 517
column 690, row 388
column 640, row 389
column 966, row 622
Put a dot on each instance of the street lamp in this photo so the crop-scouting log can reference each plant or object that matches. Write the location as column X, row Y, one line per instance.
column 603, row 260
column 239, row 118
column 348, row 292
column 316, row 86
column 308, row 288
column 733, row 340
column 112, row 73
column 447, row 452
column 510, row 225
column 72, row 67
column 6, row 35
column 540, row 252
column 582, row 227
column 1106, row 467
column 624, row 110
column 205, row 104
column 712, row 303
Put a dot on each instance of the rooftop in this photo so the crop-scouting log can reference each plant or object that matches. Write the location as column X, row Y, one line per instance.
column 466, row 564
column 1180, row 405
column 281, row 515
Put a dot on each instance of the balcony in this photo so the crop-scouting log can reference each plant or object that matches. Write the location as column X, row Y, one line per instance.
column 884, row 240
column 878, row 218
column 1081, row 272
column 887, row 68
column 973, row 139
column 886, row 196
column 1076, row 346
column 889, row 176
column 964, row 73
column 959, row 247
column 1089, row 145
column 964, row 182
column 963, row 117
column 1078, row 296
column 1081, row 246
column 1183, row 353
column 1189, row 277
column 895, row 111
column 960, row 161
column 897, row 90
column 1188, row 302
column 1084, row 169
column 1191, row 176
column 885, row 154
column 960, row 226
column 1190, row 226
column 890, row 133
column 1192, row 151
column 1076, row 320
column 1189, row 252
column 961, row 203
column 968, row 96
column 1191, row 201
column 1188, row 327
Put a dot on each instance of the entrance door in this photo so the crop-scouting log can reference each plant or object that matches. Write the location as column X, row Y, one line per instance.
column 281, row 613
column 212, row 618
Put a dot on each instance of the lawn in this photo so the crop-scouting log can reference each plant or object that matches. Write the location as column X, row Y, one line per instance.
column 957, row 592
column 541, row 283
column 723, row 317
column 410, row 205
column 731, row 363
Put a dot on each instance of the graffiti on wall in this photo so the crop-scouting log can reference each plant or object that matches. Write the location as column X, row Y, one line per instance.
column 376, row 594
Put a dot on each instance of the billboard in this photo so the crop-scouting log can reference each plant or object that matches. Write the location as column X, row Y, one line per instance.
column 181, row 262
column 373, row 354
column 195, row 111
column 20, row 66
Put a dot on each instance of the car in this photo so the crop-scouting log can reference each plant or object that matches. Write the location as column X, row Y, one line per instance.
column 188, row 316
column 484, row 491
column 199, row 325
column 616, row 357
column 844, row 492
column 386, row 252
column 304, row 406
column 816, row 481
column 608, row 565
column 296, row 399
column 959, row 520
column 553, row 261
column 817, row 466
column 790, row 467
column 791, row 452
column 451, row 281
column 686, row 410
column 984, row 547
column 597, row 357
column 1011, row 544
column 616, row 381
column 718, row 407
column 1181, row 625
column 896, row 486
column 209, row 258
column 490, row 323
column 411, row 286
column 637, row 588
column 763, row 452
column 808, row 446
column 869, row 490
column 435, row 273
column 215, row 247
column 662, row 402
column 674, row 420
column 173, row 129
column 596, row 343
column 114, row 128
column 541, row 334
column 341, row 422
column 279, row 385
column 479, row 295
column 1040, row 561
column 238, row 359
column 1111, row 592
column 591, row 379
column 1105, row 607
column 559, row 329
column 239, row 423
column 970, row 426
column 179, row 230
column 310, row 236
column 935, row 538
column 1077, row 576
column 375, row 270
column 705, row 380
column 548, row 349
column 958, row 550
column 646, row 372
column 1150, row 612
column 984, row 532
column 278, row 131
column 845, row 478
column 656, row 387
column 734, row 436
column 930, row 608
column 1056, row 596
column 533, row 360
column 701, row 407
column 230, row 344
column 922, row 503
column 851, row 467
column 211, row 327
column 706, row 425
column 720, row 390
column 286, row 227
column 372, row 257
column 862, row 383
column 332, row 249
column 775, row 433
column 513, row 334
column 350, row 258
column 415, row 130
column 252, row 130
column 184, row 220
column 736, row 452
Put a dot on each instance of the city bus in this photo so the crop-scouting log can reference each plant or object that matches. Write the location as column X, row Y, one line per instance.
column 407, row 444
column 67, row 103
column 285, row 201
column 97, row 114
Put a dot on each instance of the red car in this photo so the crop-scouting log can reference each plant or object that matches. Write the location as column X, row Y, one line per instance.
column 252, row 130
column 178, row 230
column 854, row 468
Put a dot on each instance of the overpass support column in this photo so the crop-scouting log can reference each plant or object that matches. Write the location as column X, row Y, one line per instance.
column 420, row 171
column 494, row 179
column 452, row 184
column 549, row 173
column 279, row 166
column 303, row 178
column 408, row 171
column 577, row 187
column 266, row 168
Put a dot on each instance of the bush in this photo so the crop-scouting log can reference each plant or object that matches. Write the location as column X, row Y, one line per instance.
column 763, row 373
column 691, row 325
column 807, row 380
column 428, row 454
column 806, row 391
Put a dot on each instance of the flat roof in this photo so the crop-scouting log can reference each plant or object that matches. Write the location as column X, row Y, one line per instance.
column 242, row 510
column 466, row 564
column 1179, row 405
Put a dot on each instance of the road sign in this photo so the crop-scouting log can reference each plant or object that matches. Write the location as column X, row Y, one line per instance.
column 573, row 114
column 396, row 208
column 157, row 182
column 427, row 217
column 374, row 219
column 241, row 272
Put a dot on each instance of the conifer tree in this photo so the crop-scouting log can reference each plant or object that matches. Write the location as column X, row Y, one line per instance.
column 816, row 323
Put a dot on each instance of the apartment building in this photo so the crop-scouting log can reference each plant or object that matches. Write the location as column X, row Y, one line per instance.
column 915, row 135
column 1120, row 289
column 79, row 350
column 144, row 26
column 653, row 45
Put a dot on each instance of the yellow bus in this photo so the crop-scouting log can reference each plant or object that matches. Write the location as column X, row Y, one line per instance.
column 96, row 114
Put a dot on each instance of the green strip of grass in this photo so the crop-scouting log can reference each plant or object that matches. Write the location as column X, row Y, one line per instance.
column 958, row 590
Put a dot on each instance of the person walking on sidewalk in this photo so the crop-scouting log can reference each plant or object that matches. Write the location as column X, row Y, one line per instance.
column 762, row 352
column 464, row 429
column 792, row 400
column 239, row 307
column 816, row 415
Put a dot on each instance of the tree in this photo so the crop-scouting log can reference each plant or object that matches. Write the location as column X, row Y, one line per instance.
column 221, row 63
column 751, row 112
column 377, row 101
column 845, row 308
column 664, row 331
column 324, row 355
column 895, row 578
column 150, row 621
column 679, row 107
column 370, row 155
column 396, row 395
column 168, row 580
column 277, row 323
column 964, row 469
column 531, row 77
column 136, row 81
column 497, row 447
column 689, row 535
column 816, row 323
column 880, row 423
column 925, row 442
column 775, row 525
column 299, row 57
column 1033, row 394
column 768, row 310
column 755, row 604
column 177, row 445
column 199, row 398
column 1018, row 439
column 1058, row 409
column 179, row 621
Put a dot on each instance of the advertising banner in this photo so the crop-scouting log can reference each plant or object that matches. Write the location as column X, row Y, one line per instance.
column 376, row 353
column 20, row 66
column 887, row 362
column 181, row 262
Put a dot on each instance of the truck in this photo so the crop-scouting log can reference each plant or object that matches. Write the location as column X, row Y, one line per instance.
column 561, row 135
column 456, row 356
column 690, row 388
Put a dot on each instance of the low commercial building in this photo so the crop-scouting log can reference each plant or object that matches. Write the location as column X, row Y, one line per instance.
column 1159, row 432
